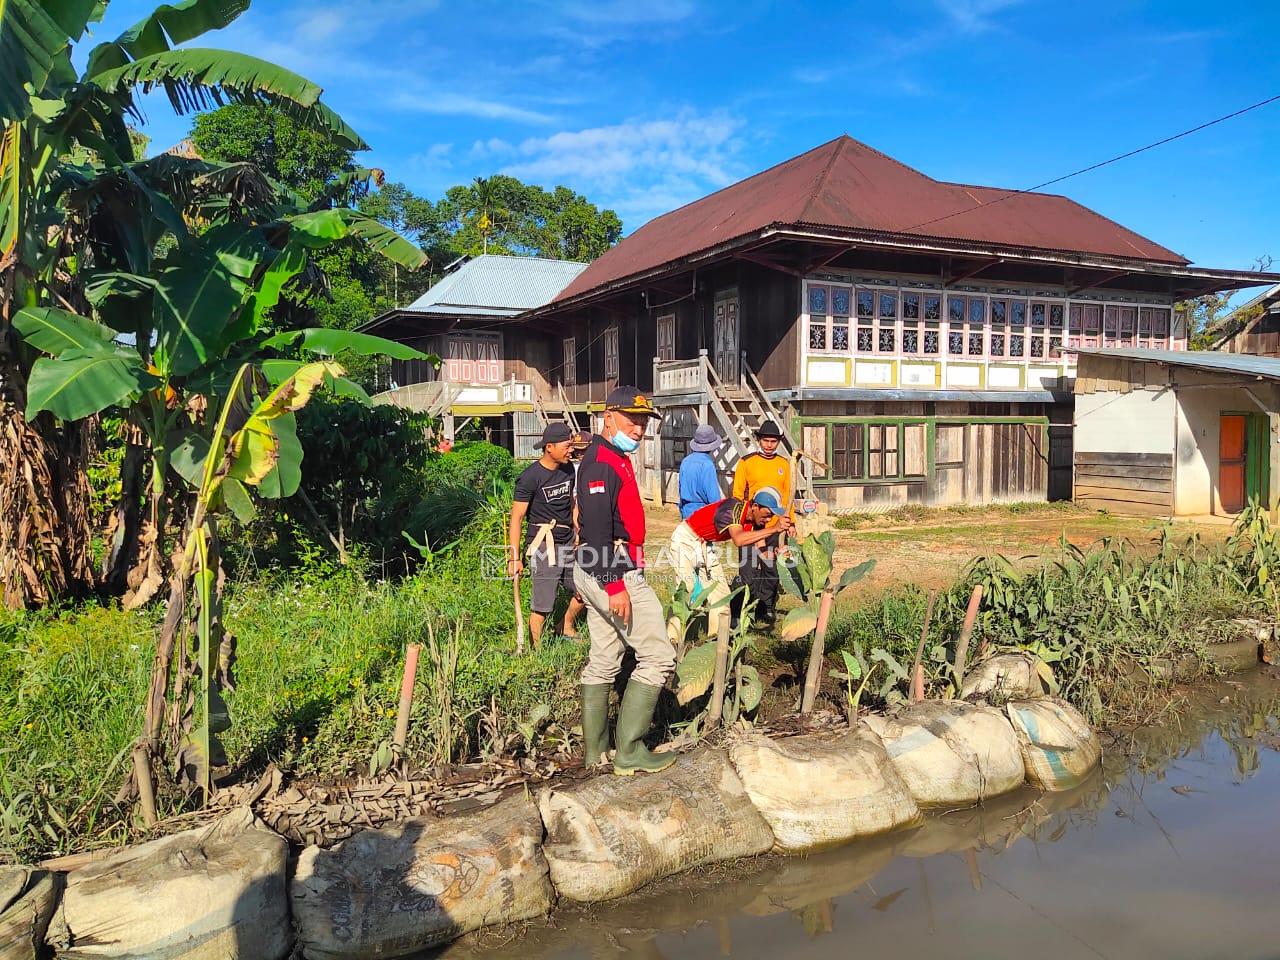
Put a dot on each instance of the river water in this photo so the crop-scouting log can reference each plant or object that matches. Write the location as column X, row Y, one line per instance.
column 1172, row 851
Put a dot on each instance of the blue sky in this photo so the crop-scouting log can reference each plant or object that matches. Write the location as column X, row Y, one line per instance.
column 646, row 105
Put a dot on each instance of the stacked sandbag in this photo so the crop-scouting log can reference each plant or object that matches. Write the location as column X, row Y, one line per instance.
column 27, row 899
column 609, row 836
column 404, row 889
column 1059, row 748
column 216, row 892
column 951, row 753
column 1007, row 676
column 815, row 791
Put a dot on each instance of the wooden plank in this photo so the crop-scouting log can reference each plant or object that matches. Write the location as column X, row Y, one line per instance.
column 1125, row 508
column 1125, row 470
column 1128, row 459
column 1086, row 479
column 1128, row 496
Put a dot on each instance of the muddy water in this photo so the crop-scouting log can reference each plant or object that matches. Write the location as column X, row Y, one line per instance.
column 1172, row 851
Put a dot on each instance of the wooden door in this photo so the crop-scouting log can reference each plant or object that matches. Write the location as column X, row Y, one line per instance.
column 726, row 340
column 667, row 337
column 1231, row 462
column 473, row 358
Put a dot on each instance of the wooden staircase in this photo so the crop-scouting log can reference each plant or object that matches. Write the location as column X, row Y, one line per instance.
column 740, row 409
column 547, row 415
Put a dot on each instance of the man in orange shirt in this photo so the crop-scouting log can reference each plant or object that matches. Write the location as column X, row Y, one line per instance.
column 766, row 468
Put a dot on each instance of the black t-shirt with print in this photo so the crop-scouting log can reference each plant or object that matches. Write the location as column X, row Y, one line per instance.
column 549, row 494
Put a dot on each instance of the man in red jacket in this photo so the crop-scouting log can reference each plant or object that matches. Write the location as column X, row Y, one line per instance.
column 622, row 609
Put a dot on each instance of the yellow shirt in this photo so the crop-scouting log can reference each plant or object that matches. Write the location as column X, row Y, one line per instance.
column 755, row 471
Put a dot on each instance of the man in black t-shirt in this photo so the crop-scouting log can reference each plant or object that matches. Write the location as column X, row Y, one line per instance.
column 544, row 497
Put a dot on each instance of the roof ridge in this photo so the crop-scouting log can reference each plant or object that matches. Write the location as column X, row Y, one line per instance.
column 841, row 141
column 738, row 183
column 520, row 256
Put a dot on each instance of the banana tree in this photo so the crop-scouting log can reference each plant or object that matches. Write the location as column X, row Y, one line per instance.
column 81, row 222
column 807, row 577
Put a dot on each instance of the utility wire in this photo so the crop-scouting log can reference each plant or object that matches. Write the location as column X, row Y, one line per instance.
column 1100, row 164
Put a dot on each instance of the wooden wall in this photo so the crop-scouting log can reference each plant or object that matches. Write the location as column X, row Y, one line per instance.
column 1125, row 483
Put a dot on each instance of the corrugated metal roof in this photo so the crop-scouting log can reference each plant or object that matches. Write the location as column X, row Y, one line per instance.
column 849, row 185
column 497, row 285
column 1242, row 364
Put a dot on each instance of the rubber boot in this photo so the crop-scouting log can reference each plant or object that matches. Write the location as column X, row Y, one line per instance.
column 595, row 722
column 634, row 718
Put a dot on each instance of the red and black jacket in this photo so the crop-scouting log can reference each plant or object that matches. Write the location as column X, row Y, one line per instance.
column 609, row 514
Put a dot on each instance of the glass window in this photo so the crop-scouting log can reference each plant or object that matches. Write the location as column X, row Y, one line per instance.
column 846, row 451
column 840, row 301
column 977, row 311
column 975, row 344
column 1017, row 344
column 1037, row 346
column 911, row 340
column 817, row 334
column 864, row 339
column 955, row 309
column 886, row 340
column 999, row 312
column 931, row 341
column 1018, row 313
column 817, row 300
column 955, row 342
column 932, row 307
column 866, row 302
column 1055, row 316
column 888, row 306
column 1037, row 315
column 840, row 336
column 997, row 344
column 911, row 306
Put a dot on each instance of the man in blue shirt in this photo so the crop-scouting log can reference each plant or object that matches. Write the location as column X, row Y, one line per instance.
column 699, row 483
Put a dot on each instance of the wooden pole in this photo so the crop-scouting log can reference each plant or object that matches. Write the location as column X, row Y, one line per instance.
column 917, row 668
column 966, row 631
column 722, row 670
column 406, row 697
column 817, row 654
column 142, row 777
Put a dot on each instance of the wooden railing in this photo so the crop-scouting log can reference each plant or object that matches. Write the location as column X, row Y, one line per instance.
column 680, row 376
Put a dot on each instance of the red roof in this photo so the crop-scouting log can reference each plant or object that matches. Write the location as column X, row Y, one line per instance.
column 848, row 185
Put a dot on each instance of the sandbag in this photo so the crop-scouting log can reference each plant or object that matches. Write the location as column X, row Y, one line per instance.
column 816, row 791
column 1059, row 748
column 951, row 753
column 611, row 835
column 216, row 893
column 403, row 889
column 27, row 899
column 1007, row 676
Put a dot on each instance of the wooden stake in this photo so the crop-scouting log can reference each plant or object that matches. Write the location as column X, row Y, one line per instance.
column 142, row 778
column 917, row 669
column 817, row 654
column 406, row 697
column 722, row 670
column 966, row 631
column 515, row 590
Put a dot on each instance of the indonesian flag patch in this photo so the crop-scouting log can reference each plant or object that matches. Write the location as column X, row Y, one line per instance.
column 595, row 486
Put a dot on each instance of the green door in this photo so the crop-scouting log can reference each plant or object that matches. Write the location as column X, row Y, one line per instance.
column 1257, row 459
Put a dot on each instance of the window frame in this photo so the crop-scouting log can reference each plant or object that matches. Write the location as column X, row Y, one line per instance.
column 569, row 362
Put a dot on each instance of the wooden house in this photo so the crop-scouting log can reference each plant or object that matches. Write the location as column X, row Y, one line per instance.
column 1253, row 327
column 1169, row 433
column 917, row 339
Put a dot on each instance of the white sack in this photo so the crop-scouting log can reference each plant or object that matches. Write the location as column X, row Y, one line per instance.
column 1059, row 748
column 1006, row 676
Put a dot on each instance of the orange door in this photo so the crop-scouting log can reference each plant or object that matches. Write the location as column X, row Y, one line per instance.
column 1231, row 446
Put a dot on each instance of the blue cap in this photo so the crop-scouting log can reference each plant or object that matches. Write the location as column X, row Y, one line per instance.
column 768, row 499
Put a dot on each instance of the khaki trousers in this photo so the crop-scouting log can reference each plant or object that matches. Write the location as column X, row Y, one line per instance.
column 696, row 560
column 610, row 636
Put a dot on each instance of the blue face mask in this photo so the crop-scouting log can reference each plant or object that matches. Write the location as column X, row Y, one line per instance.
column 624, row 442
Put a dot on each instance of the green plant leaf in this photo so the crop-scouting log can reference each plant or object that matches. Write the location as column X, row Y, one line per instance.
column 286, row 476
column 852, row 665
column 32, row 38
column 278, row 371
column 54, row 331
column 187, row 456
column 817, row 554
column 327, row 341
column 750, row 689
column 798, row 623
column 320, row 228
column 81, row 382
column 695, row 672
column 787, row 577
column 168, row 23
column 236, row 497
column 854, row 574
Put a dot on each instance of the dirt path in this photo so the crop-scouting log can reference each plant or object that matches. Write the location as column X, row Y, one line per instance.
column 934, row 546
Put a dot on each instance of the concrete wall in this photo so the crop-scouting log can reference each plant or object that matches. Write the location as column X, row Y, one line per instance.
column 1196, row 470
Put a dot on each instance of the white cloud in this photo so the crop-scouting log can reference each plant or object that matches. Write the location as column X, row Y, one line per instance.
column 641, row 167
column 975, row 16
column 440, row 103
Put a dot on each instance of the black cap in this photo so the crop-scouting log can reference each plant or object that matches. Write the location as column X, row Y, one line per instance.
column 630, row 401
column 769, row 429
column 556, row 432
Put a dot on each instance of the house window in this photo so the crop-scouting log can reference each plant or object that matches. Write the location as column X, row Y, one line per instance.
column 1086, row 322
column 667, row 337
column 1153, row 327
column 611, row 353
column 865, row 308
column 966, row 326
column 828, row 323
column 910, row 322
column 999, row 327
column 569, row 369
column 887, row 322
column 846, row 451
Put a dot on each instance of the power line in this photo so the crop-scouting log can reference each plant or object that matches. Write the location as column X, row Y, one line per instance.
column 1100, row 164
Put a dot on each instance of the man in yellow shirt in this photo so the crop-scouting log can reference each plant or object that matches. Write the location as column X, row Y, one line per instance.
column 765, row 468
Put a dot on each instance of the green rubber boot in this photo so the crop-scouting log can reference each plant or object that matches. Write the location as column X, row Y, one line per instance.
column 595, row 722
column 634, row 718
